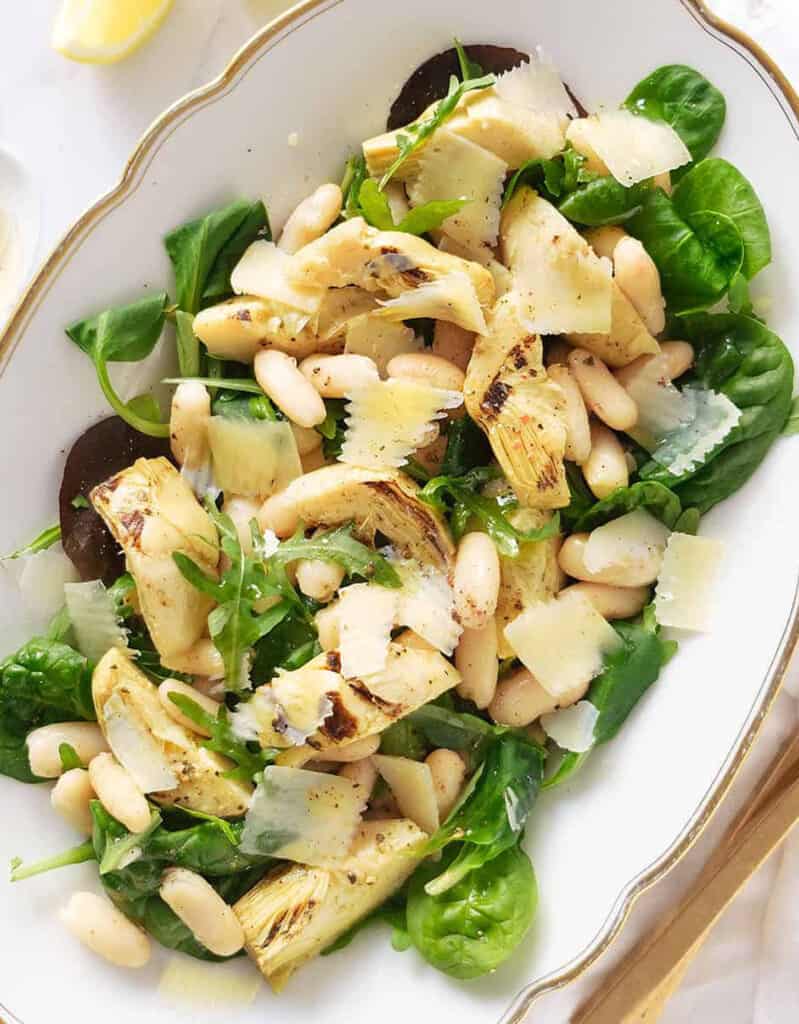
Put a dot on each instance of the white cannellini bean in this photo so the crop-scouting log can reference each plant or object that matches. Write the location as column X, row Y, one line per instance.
column 638, row 573
column 279, row 515
column 118, row 793
column 70, row 797
column 476, row 580
column 200, row 907
column 453, row 343
column 476, row 660
column 578, row 430
column 318, row 579
column 307, row 440
column 606, row 467
column 638, row 277
column 105, row 930
column 337, row 376
column 203, row 659
column 520, row 699
column 427, row 369
column 612, row 602
column 85, row 738
column 603, row 394
column 355, row 751
column 328, row 627
column 176, row 686
column 557, row 352
column 449, row 772
column 605, row 239
column 673, row 360
column 289, row 389
column 361, row 773
column 311, row 219
column 188, row 424
column 242, row 511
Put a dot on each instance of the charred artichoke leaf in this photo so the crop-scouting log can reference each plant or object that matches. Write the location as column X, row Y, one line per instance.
column 295, row 912
column 120, row 689
column 152, row 513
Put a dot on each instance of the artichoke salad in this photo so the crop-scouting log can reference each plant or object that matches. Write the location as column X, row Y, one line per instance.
column 403, row 554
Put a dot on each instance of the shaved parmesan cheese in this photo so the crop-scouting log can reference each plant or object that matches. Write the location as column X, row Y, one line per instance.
column 380, row 339
column 41, row 581
column 562, row 284
column 135, row 747
column 425, row 604
column 303, row 702
column 201, row 480
column 411, row 782
column 688, row 576
column 245, row 720
column 678, row 428
column 366, row 614
column 451, row 297
column 536, row 86
column 309, row 817
column 572, row 728
column 263, row 271
column 387, row 420
column 452, row 167
column 563, row 642
column 629, row 540
column 253, row 458
column 93, row 615
column 633, row 147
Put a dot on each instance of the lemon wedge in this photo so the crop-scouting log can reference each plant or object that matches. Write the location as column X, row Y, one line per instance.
column 105, row 31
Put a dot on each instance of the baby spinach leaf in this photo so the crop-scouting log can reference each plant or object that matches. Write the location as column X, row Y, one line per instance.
column 188, row 344
column 492, row 813
column 45, row 681
column 404, row 739
column 714, row 188
column 686, row 100
column 465, row 501
column 455, row 730
column 649, row 495
column 604, row 201
column 473, row 927
column 742, row 358
column 204, row 251
column 123, row 334
column 249, row 757
column 416, row 134
column 49, row 536
column 792, row 423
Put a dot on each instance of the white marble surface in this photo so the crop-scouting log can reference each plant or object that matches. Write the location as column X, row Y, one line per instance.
column 71, row 127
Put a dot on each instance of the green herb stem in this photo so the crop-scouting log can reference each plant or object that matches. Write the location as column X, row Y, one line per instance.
column 77, row 855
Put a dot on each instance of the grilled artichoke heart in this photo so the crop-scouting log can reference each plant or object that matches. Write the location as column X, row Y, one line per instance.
column 152, row 513
column 118, row 687
column 240, row 327
column 627, row 339
column 373, row 499
column 361, row 707
column 295, row 911
column 390, row 262
column 508, row 393
column 533, row 576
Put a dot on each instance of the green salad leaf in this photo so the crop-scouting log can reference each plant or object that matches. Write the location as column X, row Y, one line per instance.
column 649, row 495
column 190, row 359
column 740, row 357
column 687, row 101
column 123, row 334
column 604, row 201
column 474, row 926
column 469, row 68
column 415, row 135
column 376, row 211
column 49, row 536
column 341, row 547
column 792, row 423
column 44, row 682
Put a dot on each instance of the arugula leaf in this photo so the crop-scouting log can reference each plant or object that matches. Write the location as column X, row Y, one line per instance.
column 49, row 536
column 233, row 405
column 340, row 546
column 250, row 387
column 467, row 447
column 69, row 757
column 80, row 501
column 355, row 173
column 416, row 134
column 684, row 99
column 742, row 358
column 204, row 251
column 376, row 211
column 249, row 762
column 234, row 625
column 123, row 334
column 463, row 493
column 469, row 68
column 44, row 682
column 291, row 644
